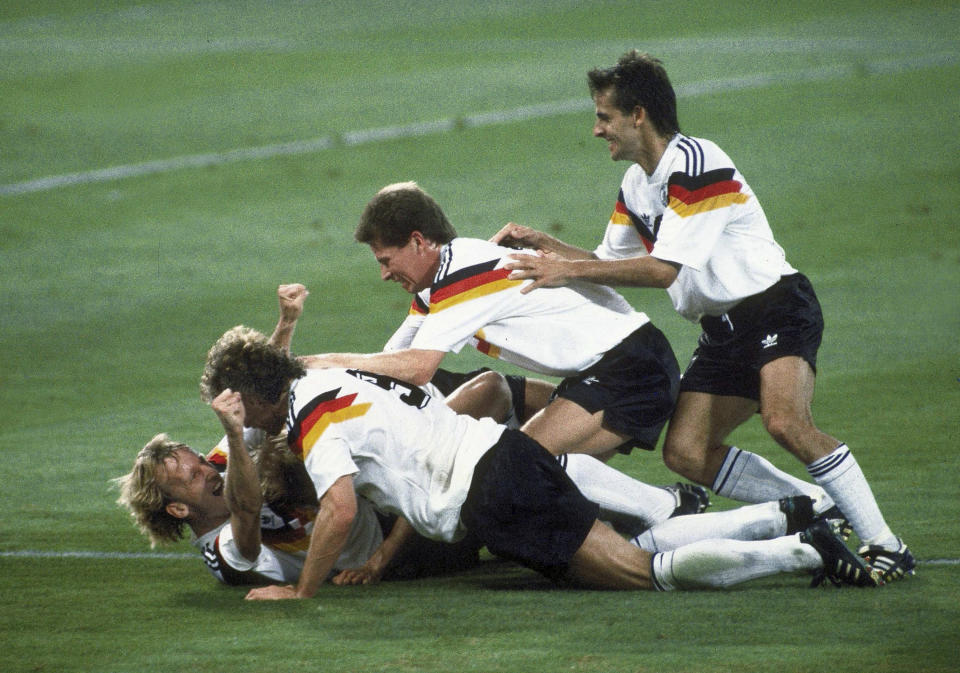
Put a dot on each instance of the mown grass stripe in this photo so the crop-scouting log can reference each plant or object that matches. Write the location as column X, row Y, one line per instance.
column 413, row 130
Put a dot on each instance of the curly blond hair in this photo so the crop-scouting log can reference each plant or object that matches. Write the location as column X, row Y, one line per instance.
column 245, row 361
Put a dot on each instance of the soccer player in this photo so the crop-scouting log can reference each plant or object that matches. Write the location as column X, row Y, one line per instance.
column 248, row 537
column 686, row 220
column 446, row 474
column 164, row 501
column 620, row 376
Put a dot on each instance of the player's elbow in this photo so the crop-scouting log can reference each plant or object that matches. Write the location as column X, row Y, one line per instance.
column 421, row 377
column 341, row 519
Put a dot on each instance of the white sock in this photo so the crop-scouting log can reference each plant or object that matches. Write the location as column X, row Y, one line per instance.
column 716, row 564
column 617, row 493
column 748, row 477
column 751, row 522
column 841, row 477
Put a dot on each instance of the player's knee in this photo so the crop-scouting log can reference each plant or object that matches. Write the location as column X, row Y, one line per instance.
column 493, row 390
column 684, row 458
column 785, row 428
column 490, row 382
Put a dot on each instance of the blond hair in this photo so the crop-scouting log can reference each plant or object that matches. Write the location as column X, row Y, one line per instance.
column 284, row 480
column 142, row 495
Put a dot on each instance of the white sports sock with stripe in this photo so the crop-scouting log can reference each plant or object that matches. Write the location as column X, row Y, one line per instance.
column 618, row 493
column 840, row 475
column 747, row 477
column 751, row 522
column 716, row 564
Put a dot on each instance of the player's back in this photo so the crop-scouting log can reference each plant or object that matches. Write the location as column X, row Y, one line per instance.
column 411, row 454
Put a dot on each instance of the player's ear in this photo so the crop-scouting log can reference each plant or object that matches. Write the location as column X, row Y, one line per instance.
column 178, row 510
column 639, row 114
column 418, row 240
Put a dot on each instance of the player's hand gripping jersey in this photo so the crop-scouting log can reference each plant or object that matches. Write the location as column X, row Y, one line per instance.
column 696, row 210
column 553, row 331
column 408, row 453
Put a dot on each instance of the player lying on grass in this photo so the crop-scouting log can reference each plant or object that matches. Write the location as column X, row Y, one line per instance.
column 160, row 498
column 446, row 474
column 172, row 488
column 254, row 526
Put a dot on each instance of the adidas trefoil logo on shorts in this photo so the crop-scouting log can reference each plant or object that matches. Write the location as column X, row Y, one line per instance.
column 769, row 341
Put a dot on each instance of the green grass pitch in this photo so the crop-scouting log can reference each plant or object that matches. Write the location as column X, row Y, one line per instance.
column 842, row 115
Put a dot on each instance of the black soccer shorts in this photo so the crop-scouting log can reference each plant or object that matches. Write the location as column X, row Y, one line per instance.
column 783, row 320
column 524, row 507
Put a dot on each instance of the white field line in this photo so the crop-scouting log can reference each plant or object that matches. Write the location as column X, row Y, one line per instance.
column 95, row 555
column 412, row 130
column 99, row 555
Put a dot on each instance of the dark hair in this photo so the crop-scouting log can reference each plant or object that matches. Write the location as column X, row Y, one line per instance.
column 244, row 360
column 397, row 211
column 639, row 80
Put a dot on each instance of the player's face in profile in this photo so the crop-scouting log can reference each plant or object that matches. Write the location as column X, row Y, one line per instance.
column 411, row 265
column 267, row 416
column 189, row 479
column 617, row 128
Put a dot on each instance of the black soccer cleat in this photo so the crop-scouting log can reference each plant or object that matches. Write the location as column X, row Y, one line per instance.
column 840, row 565
column 837, row 515
column 691, row 499
column 799, row 512
column 892, row 564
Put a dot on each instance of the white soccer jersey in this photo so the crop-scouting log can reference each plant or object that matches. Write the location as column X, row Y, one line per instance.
column 285, row 535
column 284, row 548
column 696, row 210
column 553, row 331
column 408, row 453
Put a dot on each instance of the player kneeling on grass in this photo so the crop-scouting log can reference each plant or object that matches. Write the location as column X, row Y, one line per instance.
column 446, row 474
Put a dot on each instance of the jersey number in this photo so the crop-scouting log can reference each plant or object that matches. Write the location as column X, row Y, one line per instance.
column 409, row 394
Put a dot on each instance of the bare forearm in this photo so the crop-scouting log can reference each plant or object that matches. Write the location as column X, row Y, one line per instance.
column 242, row 487
column 413, row 365
column 399, row 535
column 291, row 298
column 632, row 272
column 283, row 333
column 338, row 508
column 325, row 547
column 241, row 490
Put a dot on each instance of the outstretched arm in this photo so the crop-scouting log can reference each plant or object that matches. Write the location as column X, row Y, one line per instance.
column 414, row 365
column 242, row 487
column 291, row 298
column 551, row 270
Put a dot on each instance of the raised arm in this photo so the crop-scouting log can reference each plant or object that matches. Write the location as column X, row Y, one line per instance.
column 291, row 298
column 242, row 487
